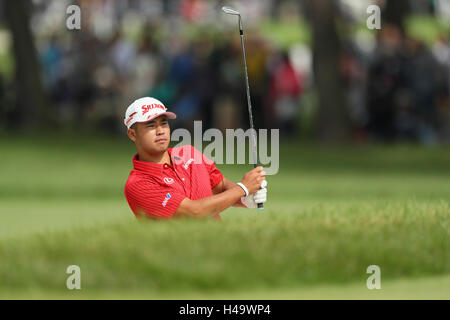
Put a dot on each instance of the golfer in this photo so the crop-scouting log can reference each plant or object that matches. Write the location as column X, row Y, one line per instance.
column 179, row 182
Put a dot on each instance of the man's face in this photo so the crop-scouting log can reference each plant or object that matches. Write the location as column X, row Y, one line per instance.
column 152, row 137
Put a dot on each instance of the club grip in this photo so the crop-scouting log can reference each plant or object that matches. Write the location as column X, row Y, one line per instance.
column 260, row 205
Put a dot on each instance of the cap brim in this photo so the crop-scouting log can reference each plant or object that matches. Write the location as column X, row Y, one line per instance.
column 170, row 115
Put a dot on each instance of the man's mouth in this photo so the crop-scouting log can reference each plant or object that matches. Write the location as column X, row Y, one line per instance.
column 160, row 140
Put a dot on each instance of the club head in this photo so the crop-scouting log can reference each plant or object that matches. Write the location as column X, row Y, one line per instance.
column 228, row 10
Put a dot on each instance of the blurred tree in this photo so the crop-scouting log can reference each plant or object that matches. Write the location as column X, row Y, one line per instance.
column 332, row 117
column 31, row 109
column 275, row 8
column 395, row 12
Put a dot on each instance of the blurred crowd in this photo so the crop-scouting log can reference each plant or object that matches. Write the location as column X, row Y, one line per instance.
column 400, row 89
column 397, row 87
column 199, row 76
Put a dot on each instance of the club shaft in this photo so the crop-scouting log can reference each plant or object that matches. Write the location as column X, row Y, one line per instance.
column 249, row 104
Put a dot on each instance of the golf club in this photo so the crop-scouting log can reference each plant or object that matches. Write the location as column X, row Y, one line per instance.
column 228, row 10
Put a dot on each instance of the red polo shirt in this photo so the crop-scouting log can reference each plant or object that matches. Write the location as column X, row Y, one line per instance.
column 157, row 190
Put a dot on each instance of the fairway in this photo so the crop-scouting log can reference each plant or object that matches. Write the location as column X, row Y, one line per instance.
column 422, row 288
column 331, row 212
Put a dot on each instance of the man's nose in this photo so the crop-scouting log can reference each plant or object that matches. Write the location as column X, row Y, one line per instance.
column 159, row 129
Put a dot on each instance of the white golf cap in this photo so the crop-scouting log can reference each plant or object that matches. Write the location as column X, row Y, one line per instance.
column 145, row 109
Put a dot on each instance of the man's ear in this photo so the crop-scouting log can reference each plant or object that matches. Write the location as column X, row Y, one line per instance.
column 132, row 134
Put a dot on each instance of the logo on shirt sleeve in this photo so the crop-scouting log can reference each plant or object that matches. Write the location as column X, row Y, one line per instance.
column 186, row 165
column 168, row 196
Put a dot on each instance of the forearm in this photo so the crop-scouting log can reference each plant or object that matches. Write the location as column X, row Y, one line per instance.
column 210, row 205
column 227, row 185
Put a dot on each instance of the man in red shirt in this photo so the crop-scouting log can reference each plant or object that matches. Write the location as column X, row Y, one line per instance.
column 179, row 182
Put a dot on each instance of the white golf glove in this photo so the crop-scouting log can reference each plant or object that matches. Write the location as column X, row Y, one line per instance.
column 252, row 200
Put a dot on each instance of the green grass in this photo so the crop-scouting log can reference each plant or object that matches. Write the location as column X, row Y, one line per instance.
column 331, row 212
column 422, row 288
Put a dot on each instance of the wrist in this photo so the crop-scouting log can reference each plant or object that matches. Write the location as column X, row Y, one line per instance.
column 244, row 188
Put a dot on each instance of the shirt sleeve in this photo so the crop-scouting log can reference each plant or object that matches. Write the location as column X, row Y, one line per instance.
column 153, row 200
column 215, row 176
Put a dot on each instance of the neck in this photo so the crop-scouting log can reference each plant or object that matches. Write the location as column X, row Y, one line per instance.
column 159, row 158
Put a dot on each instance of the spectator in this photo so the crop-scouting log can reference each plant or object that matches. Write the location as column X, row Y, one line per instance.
column 285, row 90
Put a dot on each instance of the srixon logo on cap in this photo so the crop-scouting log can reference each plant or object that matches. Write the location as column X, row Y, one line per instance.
column 148, row 107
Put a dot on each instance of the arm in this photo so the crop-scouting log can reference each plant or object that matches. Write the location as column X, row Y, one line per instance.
column 209, row 206
column 230, row 195
column 225, row 185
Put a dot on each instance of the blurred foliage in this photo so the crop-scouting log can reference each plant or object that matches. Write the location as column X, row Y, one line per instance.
column 6, row 57
column 286, row 33
column 426, row 28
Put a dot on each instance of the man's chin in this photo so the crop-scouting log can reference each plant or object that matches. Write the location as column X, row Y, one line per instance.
column 161, row 149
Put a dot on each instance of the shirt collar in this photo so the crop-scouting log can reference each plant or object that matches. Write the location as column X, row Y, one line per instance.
column 153, row 168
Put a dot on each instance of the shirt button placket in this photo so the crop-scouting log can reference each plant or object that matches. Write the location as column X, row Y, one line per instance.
column 180, row 178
